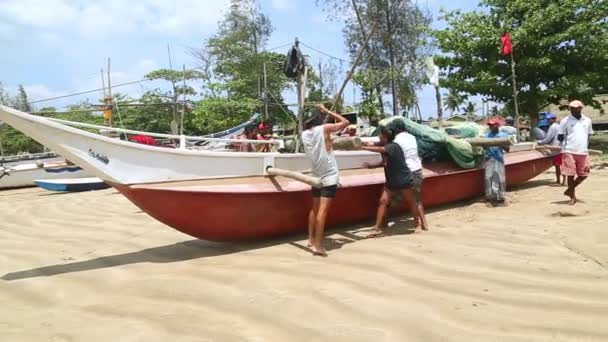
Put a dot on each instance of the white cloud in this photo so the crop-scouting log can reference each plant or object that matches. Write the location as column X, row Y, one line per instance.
column 132, row 73
column 282, row 4
column 91, row 19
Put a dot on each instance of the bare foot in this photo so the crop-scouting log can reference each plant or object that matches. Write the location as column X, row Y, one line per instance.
column 376, row 233
column 569, row 192
column 309, row 244
column 572, row 200
column 319, row 251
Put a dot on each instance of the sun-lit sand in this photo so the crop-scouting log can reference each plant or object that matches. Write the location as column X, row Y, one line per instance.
column 92, row 267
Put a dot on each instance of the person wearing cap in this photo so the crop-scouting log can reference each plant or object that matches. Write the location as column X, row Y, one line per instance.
column 574, row 132
column 317, row 143
column 495, row 180
column 551, row 139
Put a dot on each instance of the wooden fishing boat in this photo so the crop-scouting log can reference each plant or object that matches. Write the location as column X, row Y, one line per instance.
column 258, row 207
column 228, row 196
column 72, row 185
column 23, row 174
column 124, row 162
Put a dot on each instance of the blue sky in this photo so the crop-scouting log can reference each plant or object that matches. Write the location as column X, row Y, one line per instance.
column 57, row 47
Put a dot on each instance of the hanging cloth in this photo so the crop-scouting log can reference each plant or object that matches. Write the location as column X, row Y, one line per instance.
column 294, row 63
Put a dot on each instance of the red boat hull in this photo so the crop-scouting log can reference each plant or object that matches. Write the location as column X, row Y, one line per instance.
column 261, row 207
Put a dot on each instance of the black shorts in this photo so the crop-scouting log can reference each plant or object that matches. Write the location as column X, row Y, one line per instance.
column 326, row 191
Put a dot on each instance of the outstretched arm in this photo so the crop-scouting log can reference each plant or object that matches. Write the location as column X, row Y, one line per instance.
column 335, row 127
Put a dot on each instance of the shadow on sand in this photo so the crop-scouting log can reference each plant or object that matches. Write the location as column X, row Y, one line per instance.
column 197, row 249
column 182, row 251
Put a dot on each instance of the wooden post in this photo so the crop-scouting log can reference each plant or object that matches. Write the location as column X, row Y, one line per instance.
column 515, row 93
column 310, row 180
column 489, row 142
column 181, row 124
column 265, row 94
column 352, row 68
column 300, row 125
column 439, row 107
column 107, row 115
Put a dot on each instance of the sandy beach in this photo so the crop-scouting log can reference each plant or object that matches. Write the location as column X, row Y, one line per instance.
column 93, row 267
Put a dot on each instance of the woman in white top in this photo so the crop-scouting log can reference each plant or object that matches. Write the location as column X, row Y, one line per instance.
column 318, row 148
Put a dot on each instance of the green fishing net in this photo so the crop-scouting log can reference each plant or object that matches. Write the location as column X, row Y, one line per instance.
column 437, row 145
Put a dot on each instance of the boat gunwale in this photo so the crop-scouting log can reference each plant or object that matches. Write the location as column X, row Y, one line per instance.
column 267, row 184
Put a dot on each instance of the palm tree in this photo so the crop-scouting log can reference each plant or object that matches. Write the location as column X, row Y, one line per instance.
column 470, row 110
column 453, row 101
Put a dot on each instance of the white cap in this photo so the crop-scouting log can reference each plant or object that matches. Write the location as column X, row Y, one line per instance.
column 576, row 104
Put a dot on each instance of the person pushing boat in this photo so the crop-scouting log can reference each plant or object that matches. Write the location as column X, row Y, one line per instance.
column 399, row 178
column 495, row 177
column 318, row 148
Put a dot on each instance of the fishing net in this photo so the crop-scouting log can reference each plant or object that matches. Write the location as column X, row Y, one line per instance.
column 465, row 130
column 436, row 145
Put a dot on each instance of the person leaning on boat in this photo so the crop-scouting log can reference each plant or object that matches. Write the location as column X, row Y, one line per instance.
column 317, row 143
column 495, row 180
column 552, row 139
column 399, row 178
column 409, row 146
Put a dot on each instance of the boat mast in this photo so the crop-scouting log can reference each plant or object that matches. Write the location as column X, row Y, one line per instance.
column 107, row 112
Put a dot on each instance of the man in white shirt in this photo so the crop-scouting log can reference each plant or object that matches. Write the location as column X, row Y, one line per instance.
column 409, row 146
column 574, row 132
column 551, row 139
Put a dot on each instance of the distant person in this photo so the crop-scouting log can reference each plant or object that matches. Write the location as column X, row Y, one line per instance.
column 509, row 128
column 250, row 133
column 409, row 146
column 495, row 180
column 398, row 179
column 540, row 132
column 574, row 132
column 317, row 143
column 552, row 139
column 264, row 133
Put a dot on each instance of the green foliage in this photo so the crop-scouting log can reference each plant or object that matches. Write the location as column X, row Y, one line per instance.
column 11, row 140
column 236, row 57
column 215, row 114
column 454, row 100
column 559, row 47
column 401, row 35
column 370, row 106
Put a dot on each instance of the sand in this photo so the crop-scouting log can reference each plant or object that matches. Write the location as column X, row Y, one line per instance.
column 92, row 267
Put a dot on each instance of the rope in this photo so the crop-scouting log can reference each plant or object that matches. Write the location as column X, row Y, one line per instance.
column 325, row 53
column 88, row 91
column 120, row 119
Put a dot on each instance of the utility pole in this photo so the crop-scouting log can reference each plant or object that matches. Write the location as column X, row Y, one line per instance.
column 515, row 93
column 107, row 112
column 394, row 86
column 265, row 94
column 181, row 126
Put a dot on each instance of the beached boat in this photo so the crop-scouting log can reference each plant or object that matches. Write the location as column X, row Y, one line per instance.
column 124, row 162
column 257, row 207
column 228, row 196
column 72, row 184
column 24, row 174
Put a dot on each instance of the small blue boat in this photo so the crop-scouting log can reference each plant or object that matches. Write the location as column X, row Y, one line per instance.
column 72, row 185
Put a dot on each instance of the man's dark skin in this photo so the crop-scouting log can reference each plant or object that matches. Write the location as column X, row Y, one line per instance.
column 572, row 182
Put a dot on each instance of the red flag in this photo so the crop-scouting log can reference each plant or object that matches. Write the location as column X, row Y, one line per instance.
column 505, row 44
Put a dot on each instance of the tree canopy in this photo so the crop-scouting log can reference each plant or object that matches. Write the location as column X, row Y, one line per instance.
column 559, row 46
